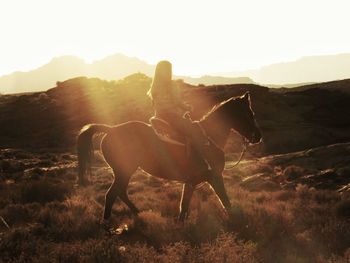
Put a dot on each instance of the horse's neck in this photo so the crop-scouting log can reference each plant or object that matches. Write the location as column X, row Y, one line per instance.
column 216, row 129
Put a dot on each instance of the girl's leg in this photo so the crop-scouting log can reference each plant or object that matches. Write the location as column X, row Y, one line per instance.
column 192, row 130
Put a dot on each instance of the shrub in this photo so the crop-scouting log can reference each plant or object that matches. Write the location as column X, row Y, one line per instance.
column 293, row 172
column 44, row 191
column 156, row 228
column 17, row 244
column 343, row 209
column 74, row 220
column 140, row 253
column 104, row 251
column 284, row 195
column 176, row 253
column 11, row 166
column 20, row 213
column 302, row 191
column 226, row 248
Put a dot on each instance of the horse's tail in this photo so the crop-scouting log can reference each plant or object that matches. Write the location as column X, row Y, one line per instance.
column 85, row 148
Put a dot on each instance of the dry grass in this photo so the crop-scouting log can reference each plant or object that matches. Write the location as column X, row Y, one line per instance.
column 51, row 220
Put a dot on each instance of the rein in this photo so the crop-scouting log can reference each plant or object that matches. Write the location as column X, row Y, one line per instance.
column 245, row 145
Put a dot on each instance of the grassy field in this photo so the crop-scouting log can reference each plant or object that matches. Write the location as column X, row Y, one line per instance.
column 51, row 220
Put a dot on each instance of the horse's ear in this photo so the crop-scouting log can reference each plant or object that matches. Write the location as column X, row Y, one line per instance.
column 246, row 96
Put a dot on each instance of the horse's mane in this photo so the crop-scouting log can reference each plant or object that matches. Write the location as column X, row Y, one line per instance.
column 216, row 107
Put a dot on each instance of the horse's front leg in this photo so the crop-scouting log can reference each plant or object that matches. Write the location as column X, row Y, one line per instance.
column 187, row 192
column 217, row 182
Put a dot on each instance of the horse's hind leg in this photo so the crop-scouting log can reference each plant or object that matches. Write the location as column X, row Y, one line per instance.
column 123, row 195
column 110, row 198
column 118, row 188
column 187, row 192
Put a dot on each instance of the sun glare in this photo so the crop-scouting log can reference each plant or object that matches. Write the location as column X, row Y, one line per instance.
column 198, row 37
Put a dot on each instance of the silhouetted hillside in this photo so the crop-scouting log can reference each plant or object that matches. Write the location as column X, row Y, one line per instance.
column 290, row 121
column 216, row 80
column 339, row 85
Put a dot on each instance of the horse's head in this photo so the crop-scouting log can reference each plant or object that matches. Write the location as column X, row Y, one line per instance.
column 242, row 117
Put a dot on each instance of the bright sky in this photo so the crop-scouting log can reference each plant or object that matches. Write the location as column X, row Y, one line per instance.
column 198, row 37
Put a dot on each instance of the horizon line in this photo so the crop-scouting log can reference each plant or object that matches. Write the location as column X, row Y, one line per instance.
column 213, row 74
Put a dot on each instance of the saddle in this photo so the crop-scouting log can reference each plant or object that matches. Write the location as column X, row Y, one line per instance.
column 166, row 133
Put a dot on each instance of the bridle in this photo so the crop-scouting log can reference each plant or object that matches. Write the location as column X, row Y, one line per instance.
column 245, row 144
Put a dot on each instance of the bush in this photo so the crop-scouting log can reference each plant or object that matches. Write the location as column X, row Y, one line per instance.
column 72, row 220
column 20, row 213
column 343, row 209
column 44, row 191
column 293, row 172
column 226, row 248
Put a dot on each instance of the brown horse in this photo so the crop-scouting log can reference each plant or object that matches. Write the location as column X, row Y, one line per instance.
column 132, row 145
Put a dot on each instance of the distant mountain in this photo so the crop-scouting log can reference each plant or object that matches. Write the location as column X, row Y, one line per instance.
column 307, row 70
column 289, row 86
column 119, row 66
column 216, row 80
column 112, row 67
column 304, row 70
column 66, row 67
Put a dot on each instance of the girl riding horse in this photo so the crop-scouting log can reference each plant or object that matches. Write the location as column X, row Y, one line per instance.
column 134, row 144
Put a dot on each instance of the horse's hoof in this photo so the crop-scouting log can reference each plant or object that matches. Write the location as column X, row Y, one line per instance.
column 119, row 230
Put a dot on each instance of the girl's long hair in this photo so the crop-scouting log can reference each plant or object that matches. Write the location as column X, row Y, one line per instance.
column 162, row 79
